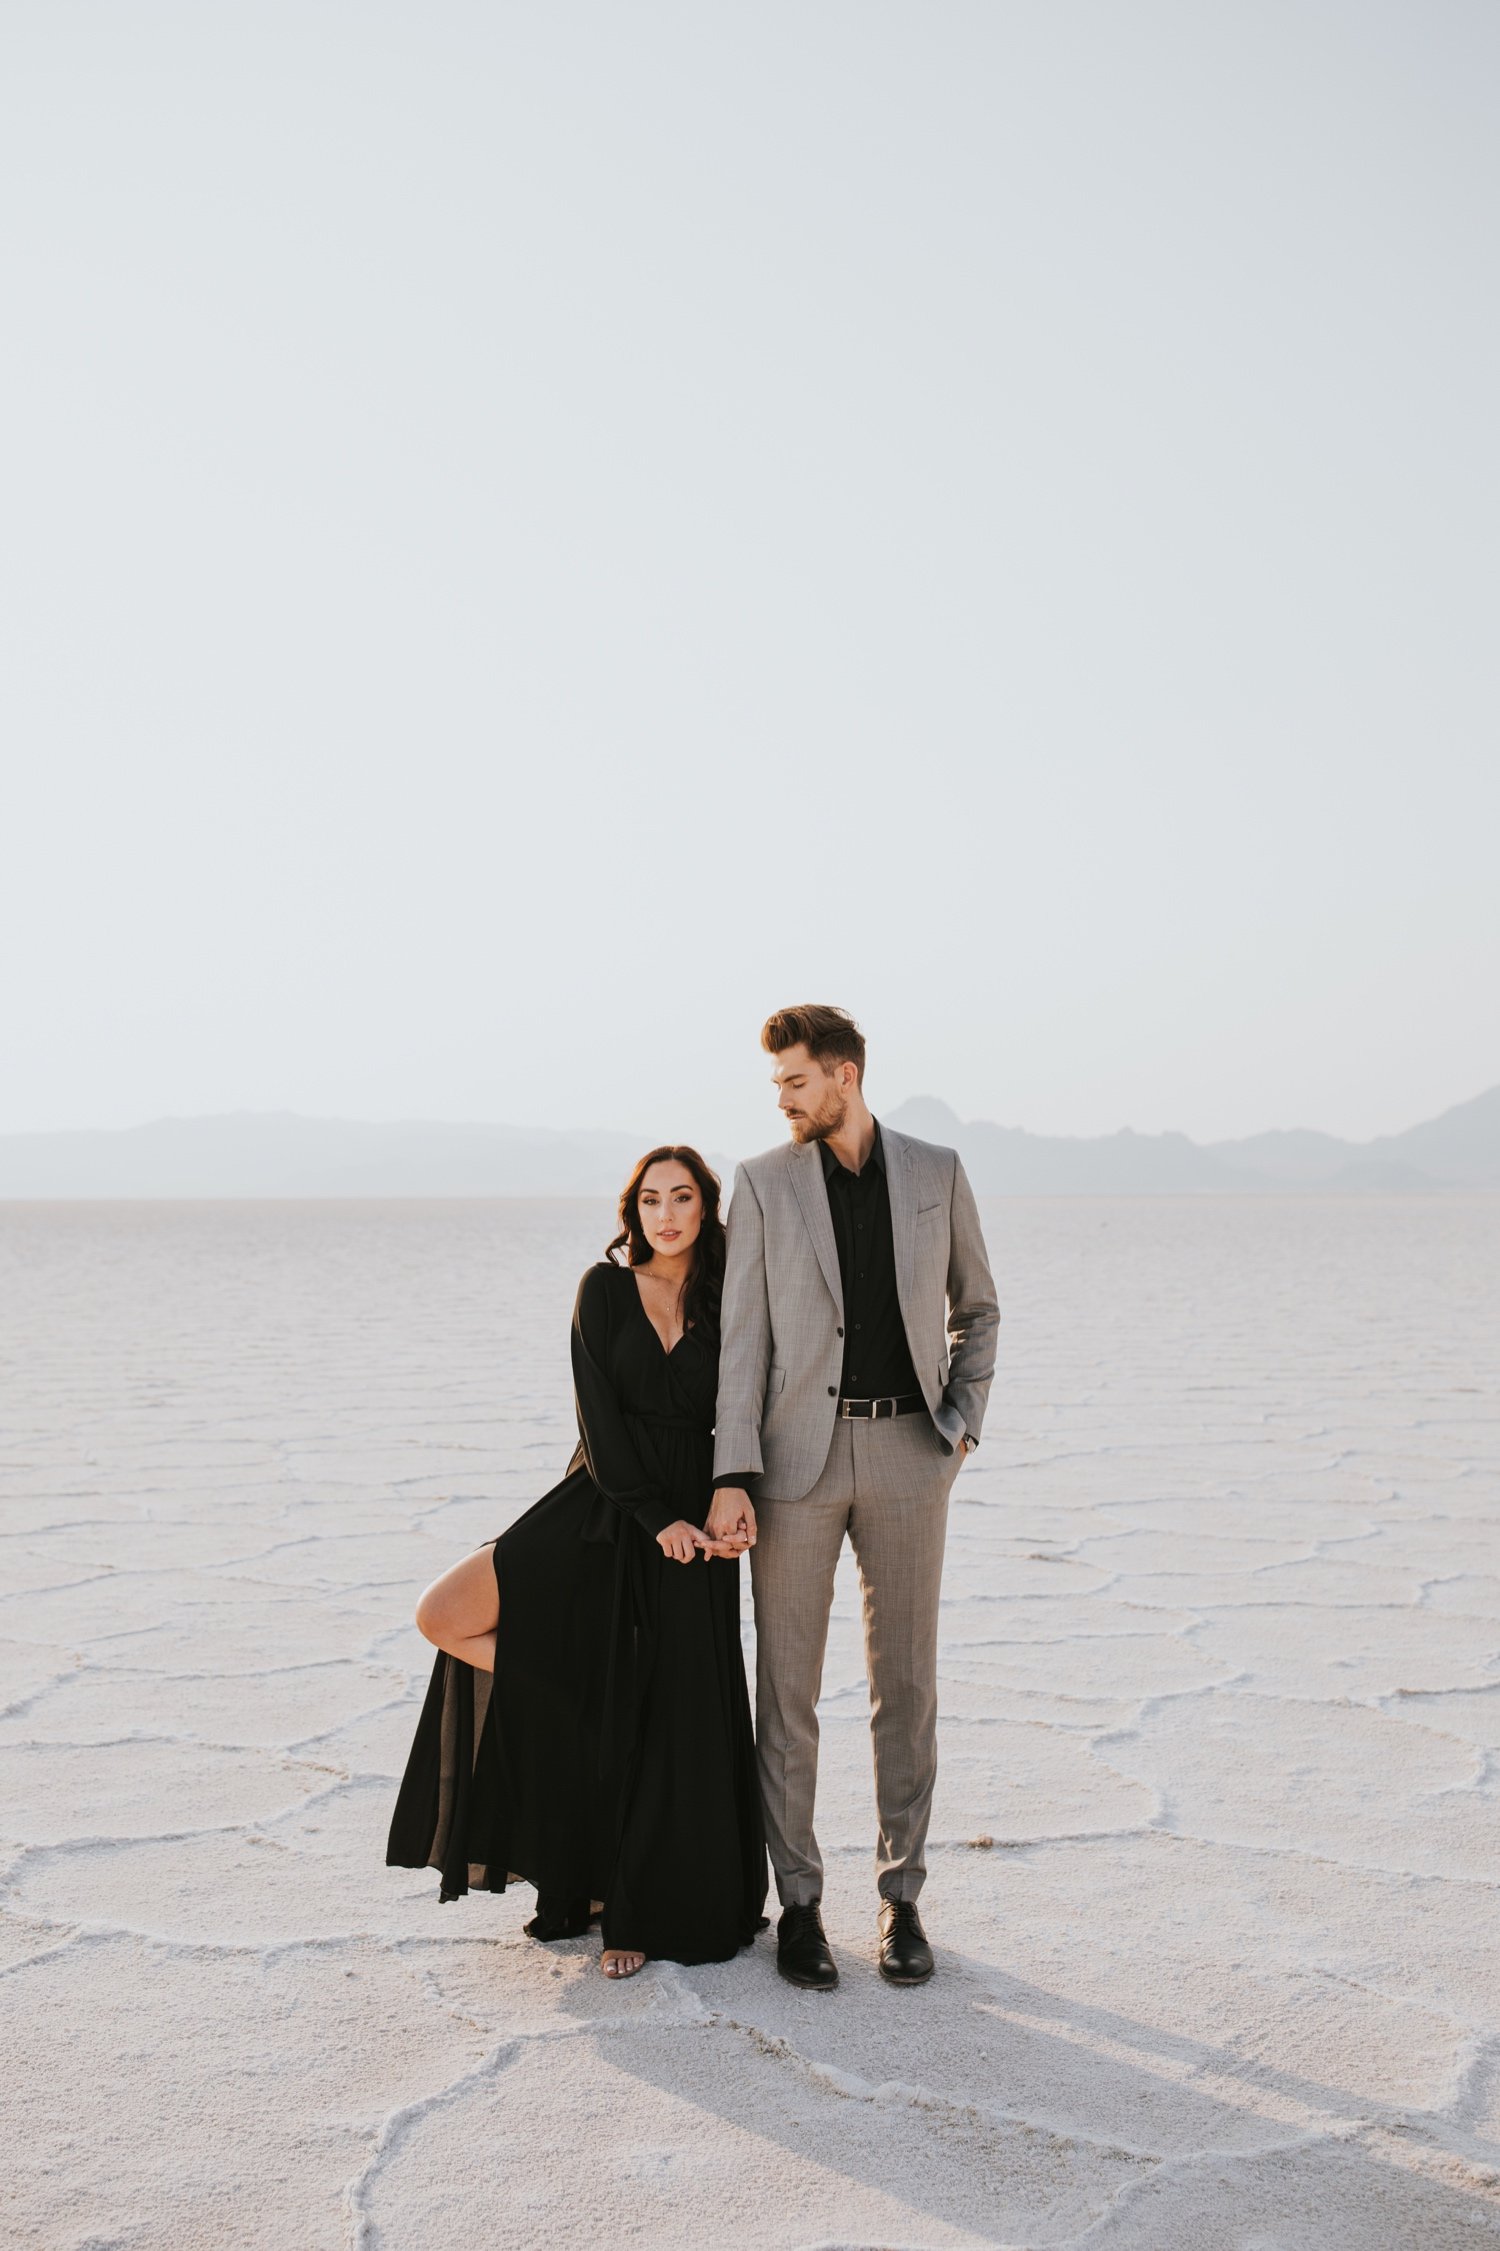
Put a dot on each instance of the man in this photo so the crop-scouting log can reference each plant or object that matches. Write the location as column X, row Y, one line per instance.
column 859, row 1326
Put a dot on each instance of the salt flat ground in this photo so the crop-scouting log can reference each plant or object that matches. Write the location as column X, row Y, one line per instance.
column 1213, row 1878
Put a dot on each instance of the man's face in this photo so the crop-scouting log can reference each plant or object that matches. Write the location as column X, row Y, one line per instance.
column 813, row 1101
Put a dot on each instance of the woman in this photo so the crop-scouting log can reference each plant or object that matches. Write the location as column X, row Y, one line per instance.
column 587, row 1727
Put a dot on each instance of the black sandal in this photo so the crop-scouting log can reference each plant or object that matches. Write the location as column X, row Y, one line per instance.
column 550, row 1921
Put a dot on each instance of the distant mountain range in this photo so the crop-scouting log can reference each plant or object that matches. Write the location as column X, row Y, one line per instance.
column 276, row 1153
column 1460, row 1149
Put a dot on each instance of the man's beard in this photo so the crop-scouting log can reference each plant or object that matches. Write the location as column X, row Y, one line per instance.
column 824, row 1126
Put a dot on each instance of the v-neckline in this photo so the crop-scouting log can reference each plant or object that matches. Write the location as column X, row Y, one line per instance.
column 666, row 1350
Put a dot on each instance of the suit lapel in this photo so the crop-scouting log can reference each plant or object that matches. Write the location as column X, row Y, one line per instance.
column 901, row 1189
column 812, row 1195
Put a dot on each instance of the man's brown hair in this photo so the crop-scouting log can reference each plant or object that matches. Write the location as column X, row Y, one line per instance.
column 830, row 1035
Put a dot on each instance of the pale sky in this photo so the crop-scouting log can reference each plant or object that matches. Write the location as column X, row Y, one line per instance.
column 534, row 535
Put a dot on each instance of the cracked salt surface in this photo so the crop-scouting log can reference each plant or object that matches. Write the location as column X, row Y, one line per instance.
column 1221, row 1681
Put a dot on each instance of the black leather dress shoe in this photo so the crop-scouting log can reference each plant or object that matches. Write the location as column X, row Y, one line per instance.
column 905, row 1956
column 802, row 1954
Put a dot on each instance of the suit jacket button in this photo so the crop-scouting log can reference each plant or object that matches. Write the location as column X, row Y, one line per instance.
column 841, row 1332
column 832, row 1392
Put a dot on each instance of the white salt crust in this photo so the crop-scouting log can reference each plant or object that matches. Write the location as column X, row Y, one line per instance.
column 1213, row 1877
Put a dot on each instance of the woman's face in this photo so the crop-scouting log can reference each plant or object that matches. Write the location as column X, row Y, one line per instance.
column 671, row 1208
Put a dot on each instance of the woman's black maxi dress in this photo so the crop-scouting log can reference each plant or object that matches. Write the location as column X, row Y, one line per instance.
column 610, row 1756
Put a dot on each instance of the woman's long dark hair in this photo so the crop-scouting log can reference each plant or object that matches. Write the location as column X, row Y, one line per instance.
column 705, row 1287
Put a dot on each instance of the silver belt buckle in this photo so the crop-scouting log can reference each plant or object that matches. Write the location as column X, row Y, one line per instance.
column 847, row 1407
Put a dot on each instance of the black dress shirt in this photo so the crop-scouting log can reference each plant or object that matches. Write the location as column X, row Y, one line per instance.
column 877, row 1357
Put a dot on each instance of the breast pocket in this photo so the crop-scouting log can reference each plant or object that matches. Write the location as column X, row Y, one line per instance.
column 932, row 1234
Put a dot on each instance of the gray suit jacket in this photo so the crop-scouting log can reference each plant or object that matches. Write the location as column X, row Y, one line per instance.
column 782, row 1352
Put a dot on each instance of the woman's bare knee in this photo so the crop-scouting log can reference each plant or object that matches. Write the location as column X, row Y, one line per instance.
column 465, row 1601
column 430, row 1612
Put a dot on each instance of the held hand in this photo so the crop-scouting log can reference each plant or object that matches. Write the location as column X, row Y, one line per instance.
column 731, row 1547
column 681, row 1541
column 730, row 1523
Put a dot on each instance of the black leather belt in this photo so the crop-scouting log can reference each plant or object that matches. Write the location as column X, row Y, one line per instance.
column 881, row 1410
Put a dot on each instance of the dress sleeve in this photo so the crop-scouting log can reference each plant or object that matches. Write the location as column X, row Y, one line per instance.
column 608, row 1449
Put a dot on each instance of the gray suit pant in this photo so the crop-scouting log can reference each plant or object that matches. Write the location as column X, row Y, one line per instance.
column 886, row 1484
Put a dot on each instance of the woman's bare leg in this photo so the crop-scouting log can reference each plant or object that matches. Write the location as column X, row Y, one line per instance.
column 460, row 1611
